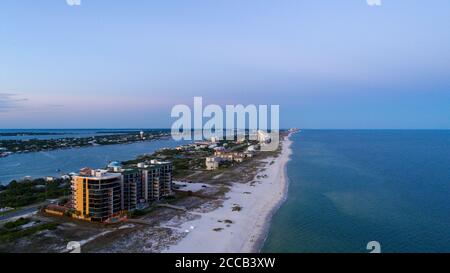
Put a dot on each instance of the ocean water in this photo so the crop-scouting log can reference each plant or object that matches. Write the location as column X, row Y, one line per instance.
column 349, row 187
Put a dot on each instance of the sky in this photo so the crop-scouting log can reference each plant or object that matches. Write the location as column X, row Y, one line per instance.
column 125, row 64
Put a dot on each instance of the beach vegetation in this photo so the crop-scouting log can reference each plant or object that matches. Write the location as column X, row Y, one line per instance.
column 236, row 208
column 28, row 192
column 18, row 223
column 18, row 232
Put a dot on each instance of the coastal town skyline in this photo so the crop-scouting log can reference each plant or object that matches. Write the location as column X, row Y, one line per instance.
column 74, row 67
column 233, row 135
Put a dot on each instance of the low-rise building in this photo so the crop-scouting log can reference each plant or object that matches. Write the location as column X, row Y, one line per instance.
column 248, row 154
column 214, row 139
column 212, row 163
column 263, row 137
column 224, row 155
column 56, row 210
column 241, row 139
column 202, row 144
column 230, row 156
column 65, row 177
column 238, row 159
column 49, row 179
column 251, row 148
column 180, row 148
column 219, row 149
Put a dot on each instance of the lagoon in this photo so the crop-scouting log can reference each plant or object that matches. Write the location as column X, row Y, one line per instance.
column 58, row 162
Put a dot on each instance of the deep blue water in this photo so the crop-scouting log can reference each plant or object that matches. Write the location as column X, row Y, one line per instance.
column 349, row 187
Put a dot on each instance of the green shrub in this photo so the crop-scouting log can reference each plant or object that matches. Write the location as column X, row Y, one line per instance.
column 19, row 222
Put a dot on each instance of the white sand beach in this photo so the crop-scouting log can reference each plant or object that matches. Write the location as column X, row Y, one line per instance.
column 243, row 231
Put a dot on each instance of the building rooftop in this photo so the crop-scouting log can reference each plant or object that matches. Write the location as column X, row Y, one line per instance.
column 114, row 164
column 213, row 159
column 97, row 174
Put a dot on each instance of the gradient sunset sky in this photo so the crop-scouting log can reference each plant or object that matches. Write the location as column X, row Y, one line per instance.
column 124, row 64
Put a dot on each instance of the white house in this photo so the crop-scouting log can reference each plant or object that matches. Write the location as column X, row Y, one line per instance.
column 263, row 137
column 212, row 163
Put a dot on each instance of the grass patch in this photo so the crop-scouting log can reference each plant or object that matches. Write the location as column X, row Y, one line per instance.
column 18, row 223
column 7, row 235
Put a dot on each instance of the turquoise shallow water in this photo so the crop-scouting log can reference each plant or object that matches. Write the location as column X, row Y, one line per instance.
column 349, row 187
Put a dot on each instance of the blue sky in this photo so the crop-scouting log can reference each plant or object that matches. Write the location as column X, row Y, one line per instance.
column 327, row 63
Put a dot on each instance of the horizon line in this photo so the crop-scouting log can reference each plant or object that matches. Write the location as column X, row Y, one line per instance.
column 168, row 128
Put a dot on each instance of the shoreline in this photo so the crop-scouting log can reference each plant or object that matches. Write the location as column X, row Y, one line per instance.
column 226, row 230
column 265, row 231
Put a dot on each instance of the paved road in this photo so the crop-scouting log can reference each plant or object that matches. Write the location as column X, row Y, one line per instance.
column 21, row 212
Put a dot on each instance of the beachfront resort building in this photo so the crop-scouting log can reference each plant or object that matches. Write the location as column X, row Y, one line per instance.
column 230, row 156
column 213, row 162
column 101, row 195
column 96, row 195
column 131, row 181
column 156, row 180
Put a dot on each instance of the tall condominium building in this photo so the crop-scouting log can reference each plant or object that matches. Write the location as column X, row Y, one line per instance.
column 166, row 171
column 97, row 195
column 156, row 180
column 131, row 184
